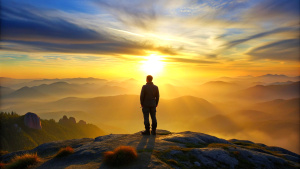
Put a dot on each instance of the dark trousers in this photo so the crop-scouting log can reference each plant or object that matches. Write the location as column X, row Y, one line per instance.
column 152, row 112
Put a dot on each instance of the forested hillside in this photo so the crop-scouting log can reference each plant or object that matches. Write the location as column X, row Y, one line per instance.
column 16, row 136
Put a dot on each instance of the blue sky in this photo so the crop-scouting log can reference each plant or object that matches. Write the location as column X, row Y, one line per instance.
column 200, row 33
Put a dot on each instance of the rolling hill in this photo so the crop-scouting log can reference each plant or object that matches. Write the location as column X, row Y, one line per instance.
column 270, row 92
column 25, row 93
column 5, row 91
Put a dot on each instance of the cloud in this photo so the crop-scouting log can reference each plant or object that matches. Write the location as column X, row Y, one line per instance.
column 185, row 60
column 258, row 35
column 141, row 14
column 269, row 10
column 284, row 50
column 31, row 29
column 115, row 28
column 116, row 48
column 47, row 30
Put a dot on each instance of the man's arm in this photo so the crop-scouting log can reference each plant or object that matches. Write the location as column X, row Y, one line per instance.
column 157, row 96
column 142, row 96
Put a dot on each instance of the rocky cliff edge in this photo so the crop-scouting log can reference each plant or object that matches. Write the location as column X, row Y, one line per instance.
column 165, row 150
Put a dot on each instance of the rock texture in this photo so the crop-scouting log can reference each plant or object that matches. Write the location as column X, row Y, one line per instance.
column 166, row 150
column 82, row 122
column 66, row 120
column 32, row 120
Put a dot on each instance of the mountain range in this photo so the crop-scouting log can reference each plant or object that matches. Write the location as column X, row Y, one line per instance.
column 226, row 107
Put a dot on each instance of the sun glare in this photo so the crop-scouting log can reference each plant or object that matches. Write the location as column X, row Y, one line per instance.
column 153, row 65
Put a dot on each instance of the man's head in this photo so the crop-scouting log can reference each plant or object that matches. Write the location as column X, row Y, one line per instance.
column 149, row 78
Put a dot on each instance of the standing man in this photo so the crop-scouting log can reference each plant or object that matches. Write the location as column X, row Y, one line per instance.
column 149, row 100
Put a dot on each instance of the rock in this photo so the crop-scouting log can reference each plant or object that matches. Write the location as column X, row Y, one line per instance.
column 241, row 141
column 194, row 138
column 82, row 122
column 173, row 152
column 295, row 159
column 209, row 157
column 197, row 164
column 72, row 120
column 66, row 120
column 107, row 137
column 32, row 120
column 283, row 151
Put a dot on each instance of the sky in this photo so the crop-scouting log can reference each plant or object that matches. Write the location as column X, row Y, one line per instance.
column 165, row 38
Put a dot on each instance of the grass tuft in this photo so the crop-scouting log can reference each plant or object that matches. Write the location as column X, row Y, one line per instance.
column 221, row 145
column 120, row 156
column 173, row 162
column 3, row 152
column 63, row 152
column 258, row 148
column 2, row 165
column 23, row 161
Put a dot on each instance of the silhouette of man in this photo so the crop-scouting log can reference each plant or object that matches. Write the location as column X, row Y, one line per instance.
column 149, row 100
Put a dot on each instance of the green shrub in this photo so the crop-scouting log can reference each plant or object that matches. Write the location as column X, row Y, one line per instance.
column 120, row 156
column 16, row 136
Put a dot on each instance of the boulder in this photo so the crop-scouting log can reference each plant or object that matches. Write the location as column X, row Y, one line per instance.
column 81, row 122
column 72, row 120
column 32, row 120
column 66, row 120
column 63, row 120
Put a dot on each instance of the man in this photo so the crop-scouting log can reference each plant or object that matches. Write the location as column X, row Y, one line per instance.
column 149, row 100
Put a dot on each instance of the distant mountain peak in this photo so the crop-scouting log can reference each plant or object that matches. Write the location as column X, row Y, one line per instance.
column 60, row 83
column 273, row 75
column 217, row 82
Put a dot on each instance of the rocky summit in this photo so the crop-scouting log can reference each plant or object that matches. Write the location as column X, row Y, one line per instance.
column 32, row 120
column 165, row 150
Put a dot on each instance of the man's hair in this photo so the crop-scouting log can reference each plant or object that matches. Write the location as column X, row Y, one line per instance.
column 149, row 78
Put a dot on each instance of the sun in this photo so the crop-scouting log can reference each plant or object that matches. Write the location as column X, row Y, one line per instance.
column 153, row 65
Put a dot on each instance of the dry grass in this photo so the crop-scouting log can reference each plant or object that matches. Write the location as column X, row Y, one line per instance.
column 3, row 152
column 221, row 145
column 64, row 152
column 23, row 161
column 2, row 165
column 120, row 156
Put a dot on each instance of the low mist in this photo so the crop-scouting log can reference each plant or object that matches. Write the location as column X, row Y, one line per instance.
column 261, row 109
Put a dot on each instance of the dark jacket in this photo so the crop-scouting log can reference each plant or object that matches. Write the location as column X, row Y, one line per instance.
column 149, row 95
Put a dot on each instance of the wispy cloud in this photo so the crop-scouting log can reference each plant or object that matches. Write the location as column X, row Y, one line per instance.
column 185, row 60
column 23, row 27
column 284, row 50
column 259, row 35
column 210, row 31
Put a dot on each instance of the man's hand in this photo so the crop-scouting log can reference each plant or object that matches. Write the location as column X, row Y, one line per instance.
column 141, row 106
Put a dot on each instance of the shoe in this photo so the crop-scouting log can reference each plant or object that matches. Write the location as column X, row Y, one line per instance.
column 146, row 132
column 153, row 132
